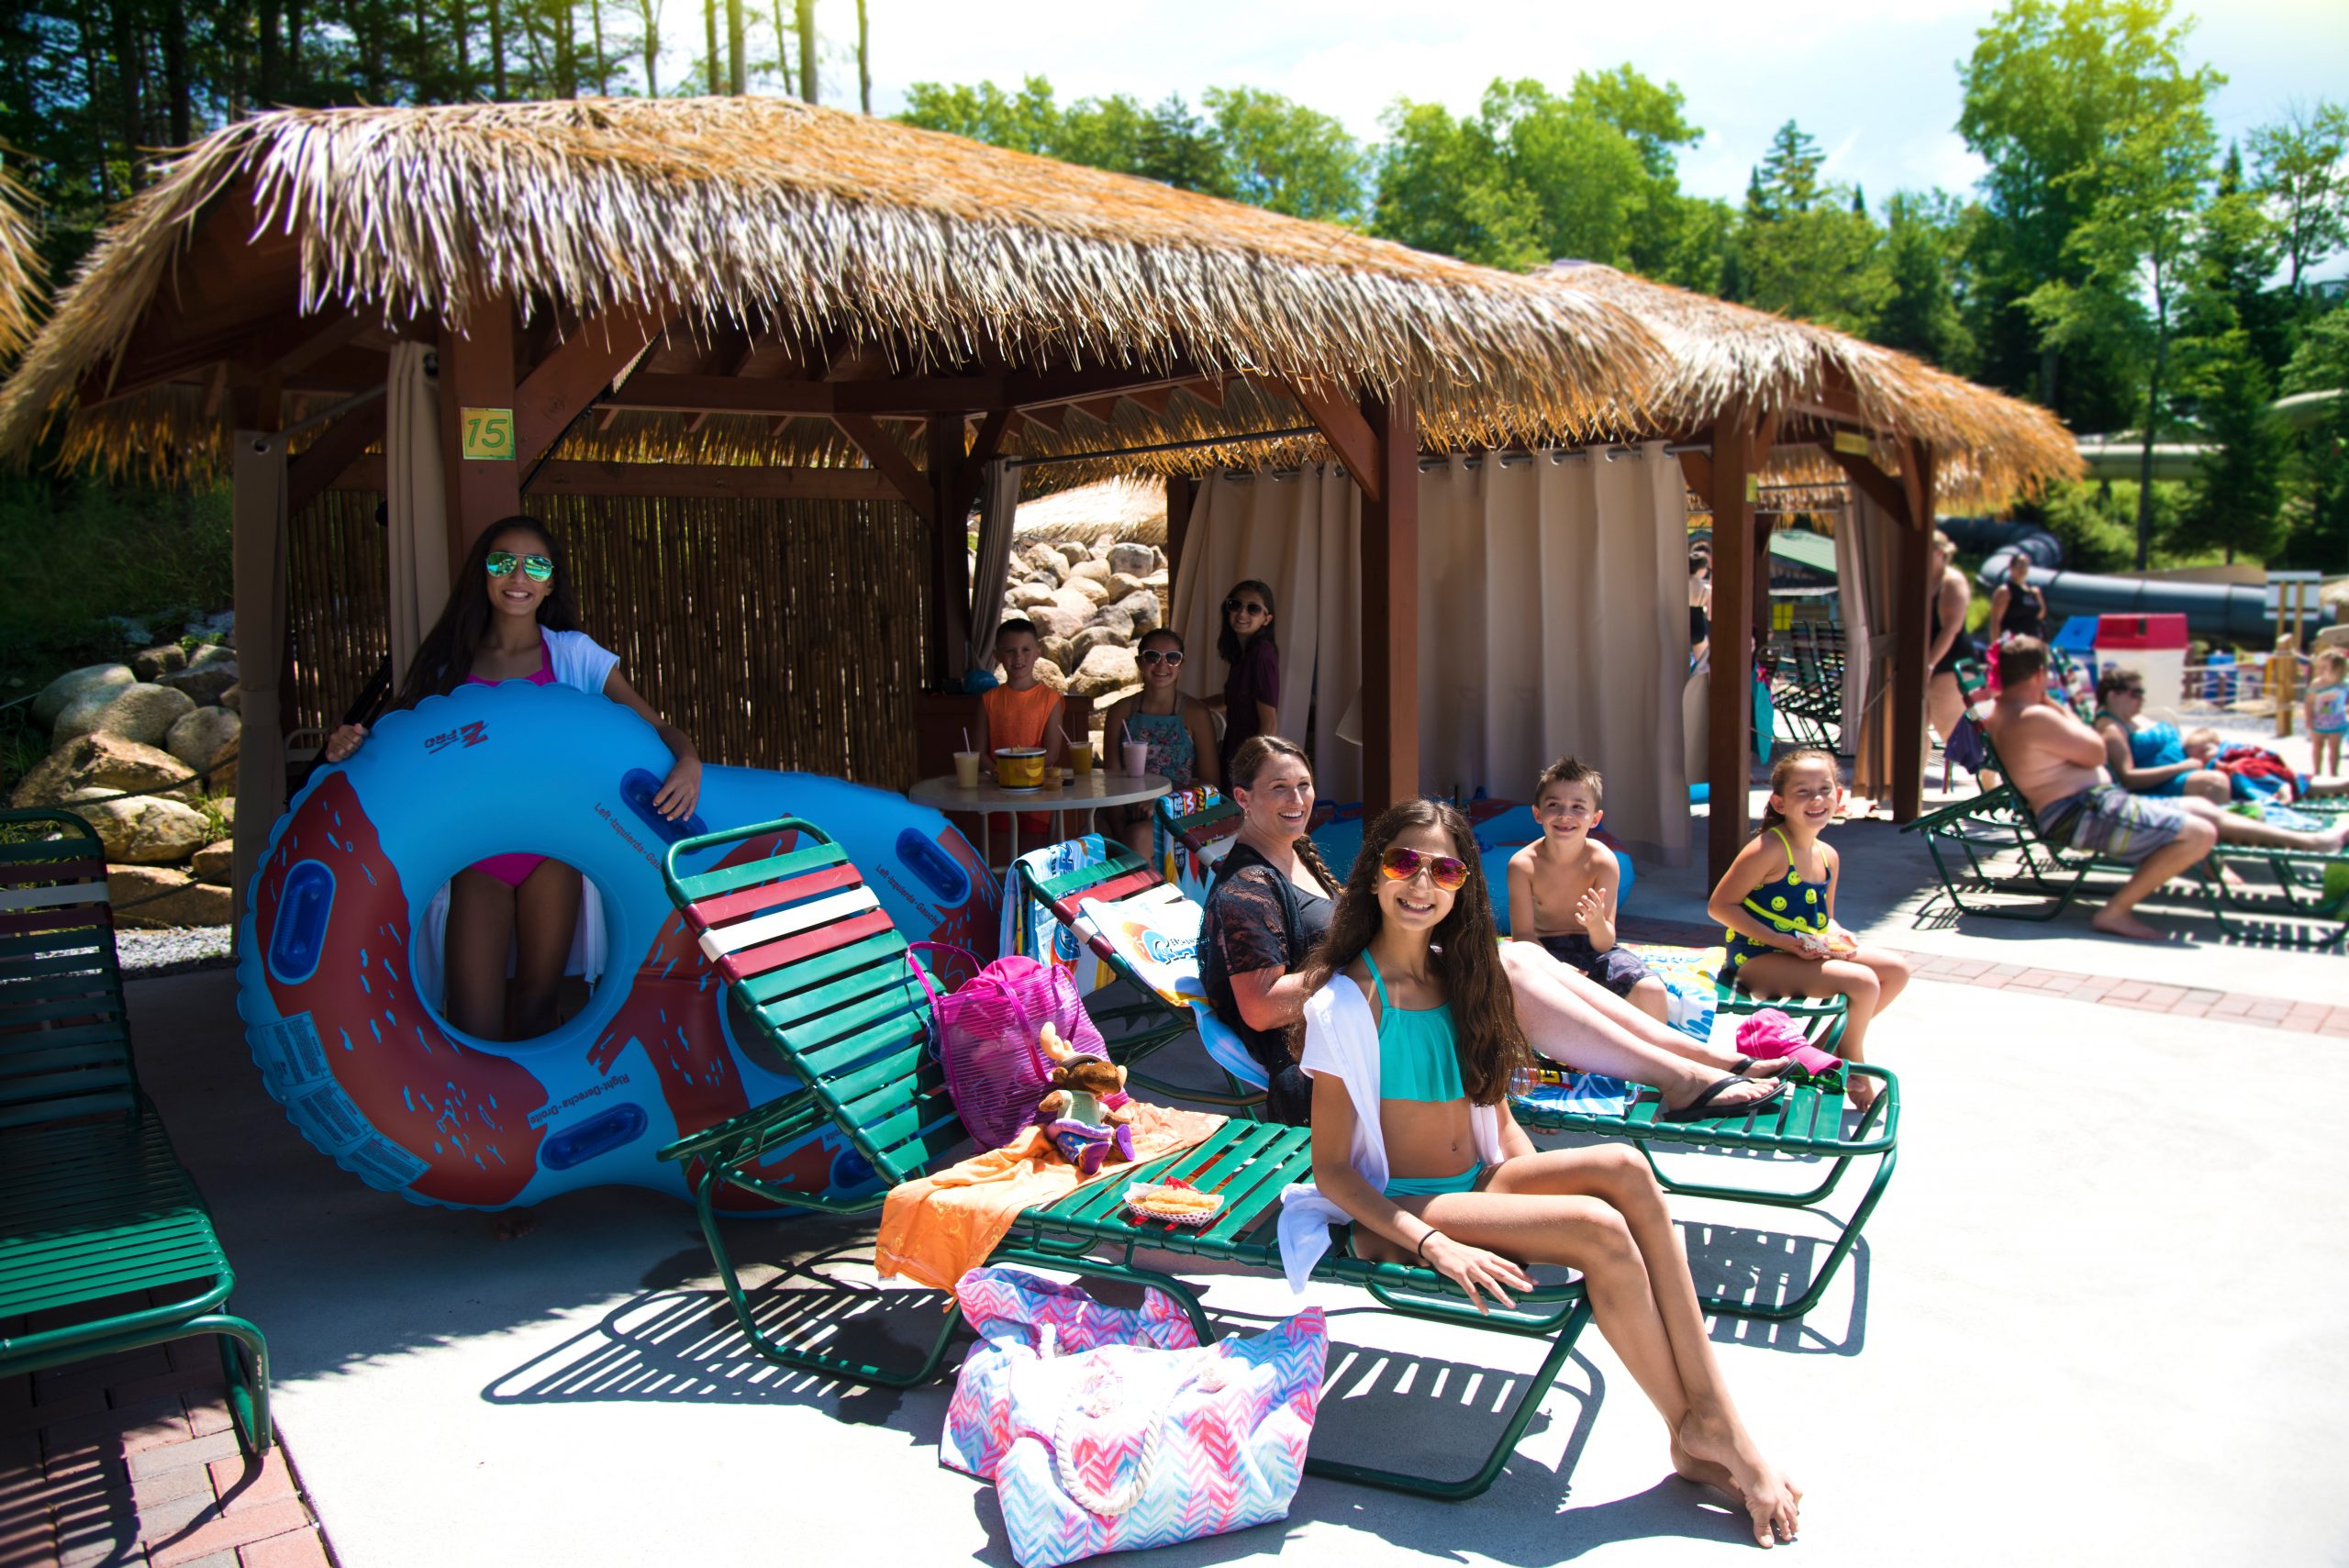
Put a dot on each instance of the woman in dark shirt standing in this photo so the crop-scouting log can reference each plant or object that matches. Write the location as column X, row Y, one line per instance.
column 1252, row 690
column 1267, row 912
column 2018, row 609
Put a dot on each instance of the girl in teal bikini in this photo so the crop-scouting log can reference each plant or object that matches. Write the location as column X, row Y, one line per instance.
column 1776, row 907
column 1411, row 1041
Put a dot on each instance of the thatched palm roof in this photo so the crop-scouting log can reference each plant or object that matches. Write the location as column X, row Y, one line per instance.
column 1988, row 446
column 805, row 223
column 21, row 272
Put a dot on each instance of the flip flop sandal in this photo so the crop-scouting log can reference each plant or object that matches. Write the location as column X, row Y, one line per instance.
column 1699, row 1109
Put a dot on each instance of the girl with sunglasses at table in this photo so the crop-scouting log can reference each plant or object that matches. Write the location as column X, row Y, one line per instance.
column 1252, row 688
column 1177, row 729
column 1411, row 1041
column 510, row 617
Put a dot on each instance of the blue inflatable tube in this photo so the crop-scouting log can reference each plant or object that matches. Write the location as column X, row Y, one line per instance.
column 349, row 1041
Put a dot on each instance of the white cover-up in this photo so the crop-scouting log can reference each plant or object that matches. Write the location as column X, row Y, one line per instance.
column 1341, row 1041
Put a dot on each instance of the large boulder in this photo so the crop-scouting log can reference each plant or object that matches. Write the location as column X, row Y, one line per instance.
column 1132, row 560
column 1026, row 596
column 62, row 692
column 99, row 764
column 1050, row 675
column 160, row 660
column 1106, row 669
column 215, row 862
column 1142, row 609
column 1122, row 584
column 233, row 699
column 143, row 829
column 1057, row 652
column 137, row 712
column 204, row 739
column 204, row 683
column 160, row 895
column 1093, row 567
column 210, row 653
column 1053, row 620
column 1070, row 551
column 1092, row 590
column 1109, row 624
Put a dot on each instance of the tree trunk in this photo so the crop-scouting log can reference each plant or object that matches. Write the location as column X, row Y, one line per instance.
column 709, row 26
column 807, row 19
column 603, row 68
column 294, row 82
column 863, row 60
column 565, row 23
column 176, row 71
column 2145, row 447
column 650, row 10
column 737, row 80
column 461, row 46
column 2050, row 365
column 129, row 66
column 497, row 49
column 782, row 46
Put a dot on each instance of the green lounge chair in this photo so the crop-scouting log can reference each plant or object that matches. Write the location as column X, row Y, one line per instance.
column 98, row 1220
column 808, row 952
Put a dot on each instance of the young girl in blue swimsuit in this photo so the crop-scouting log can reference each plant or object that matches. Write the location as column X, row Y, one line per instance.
column 1776, row 907
column 1411, row 1041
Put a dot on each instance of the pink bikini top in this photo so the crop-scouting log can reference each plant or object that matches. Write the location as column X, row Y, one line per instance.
column 541, row 677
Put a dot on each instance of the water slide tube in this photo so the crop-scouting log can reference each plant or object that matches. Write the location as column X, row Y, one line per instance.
column 353, row 1042
column 2217, row 610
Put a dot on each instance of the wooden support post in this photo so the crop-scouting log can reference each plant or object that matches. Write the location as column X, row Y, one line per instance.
column 476, row 383
column 1730, row 716
column 950, row 561
column 1390, row 619
column 1913, row 593
column 1182, row 490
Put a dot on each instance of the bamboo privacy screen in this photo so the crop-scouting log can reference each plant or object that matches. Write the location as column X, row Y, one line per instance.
column 778, row 634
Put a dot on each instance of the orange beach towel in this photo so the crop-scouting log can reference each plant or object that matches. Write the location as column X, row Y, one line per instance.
column 937, row 1229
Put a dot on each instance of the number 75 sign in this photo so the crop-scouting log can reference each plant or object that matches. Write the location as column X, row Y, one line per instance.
column 488, row 434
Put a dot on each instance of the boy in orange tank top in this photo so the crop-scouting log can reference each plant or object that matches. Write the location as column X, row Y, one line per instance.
column 1023, row 711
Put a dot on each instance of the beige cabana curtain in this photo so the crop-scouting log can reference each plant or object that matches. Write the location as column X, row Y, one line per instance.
column 998, row 504
column 257, row 544
column 1552, row 620
column 1864, row 546
column 416, row 502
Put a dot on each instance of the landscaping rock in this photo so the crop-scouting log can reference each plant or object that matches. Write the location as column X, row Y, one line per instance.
column 1028, row 595
column 1053, row 620
column 221, row 628
column 1057, row 653
column 233, row 699
column 160, row 660
column 159, row 896
column 1093, row 567
column 210, row 653
column 1142, row 608
column 1121, row 584
column 1132, row 560
column 204, row 739
column 215, row 863
column 1109, row 624
column 61, row 692
column 100, row 765
column 1092, row 590
column 226, row 807
column 1070, row 551
column 1051, row 675
column 143, row 829
column 1106, row 669
column 205, row 682
column 137, row 712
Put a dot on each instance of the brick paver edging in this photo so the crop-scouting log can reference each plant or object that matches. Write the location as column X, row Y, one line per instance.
column 2143, row 995
column 131, row 1460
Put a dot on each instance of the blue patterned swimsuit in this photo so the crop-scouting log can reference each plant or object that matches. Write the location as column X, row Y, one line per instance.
column 1788, row 905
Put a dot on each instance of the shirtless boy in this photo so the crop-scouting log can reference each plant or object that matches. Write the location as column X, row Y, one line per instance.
column 1562, row 889
column 2056, row 763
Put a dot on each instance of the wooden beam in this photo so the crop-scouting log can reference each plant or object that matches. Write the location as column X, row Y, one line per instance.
column 477, row 372
column 949, row 567
column 288, row 348
column 1874, row 483
column 315, row 469
column 1912, row 591
column 908, row 482
column 1047, row 419
column 1696, row 472
column 570, row 476
column 1729, row 702
column 563, row 384
column 1766, row 436
column 1152, row 398
column 1349, row 434
column 1182, row 490
column 919, row 397
column 1103, row 409
column 1390, row 591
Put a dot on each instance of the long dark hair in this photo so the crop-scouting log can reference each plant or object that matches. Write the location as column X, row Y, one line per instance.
column 1248, row 760
column 445, row 657
column 1782, row 770
column 1466, row 956
column 1227, row 642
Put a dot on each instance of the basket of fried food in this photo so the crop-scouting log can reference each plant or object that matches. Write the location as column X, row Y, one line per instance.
column 1174, row 1201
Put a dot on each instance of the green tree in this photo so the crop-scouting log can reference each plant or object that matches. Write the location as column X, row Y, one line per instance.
column 1805, row 252
column 2299, row 166
column 1923, row 240
column 1025, row 121
column 1442, row 186
column 2321, row 363
column 1282, row 156
column 2051, row 94
column 1174, row 145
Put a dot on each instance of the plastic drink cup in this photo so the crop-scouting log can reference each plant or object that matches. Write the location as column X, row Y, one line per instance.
column 1080, row 757
column 966, row 769
column 1019, row 767
column 1137, row 757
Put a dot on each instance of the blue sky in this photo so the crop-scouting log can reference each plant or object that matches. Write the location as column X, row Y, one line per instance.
column 1876, row 83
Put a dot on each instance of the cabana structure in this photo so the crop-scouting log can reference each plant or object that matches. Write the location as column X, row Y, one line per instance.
column 20, row 266
column 772, row 305
column 1750, row 396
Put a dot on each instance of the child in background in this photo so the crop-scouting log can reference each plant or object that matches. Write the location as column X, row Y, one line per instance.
column 1178, row 729
column 1776, row 907
column 1562, row 889
column 2328, row 710
column 1251, row 689
column 1023, row 711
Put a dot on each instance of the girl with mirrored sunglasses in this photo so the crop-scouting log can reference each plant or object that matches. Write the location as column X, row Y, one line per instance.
column 1178, row 729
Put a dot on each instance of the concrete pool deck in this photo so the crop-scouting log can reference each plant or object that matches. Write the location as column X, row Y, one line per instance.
column 2094, row 1320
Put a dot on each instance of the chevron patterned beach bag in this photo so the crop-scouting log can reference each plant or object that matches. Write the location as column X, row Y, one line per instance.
column 1127, row 1446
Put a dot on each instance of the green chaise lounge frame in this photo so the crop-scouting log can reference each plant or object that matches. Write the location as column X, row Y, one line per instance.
column 808, row 953
column 95, row 1207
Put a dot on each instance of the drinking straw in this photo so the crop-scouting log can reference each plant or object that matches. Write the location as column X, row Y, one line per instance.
column 966, row 737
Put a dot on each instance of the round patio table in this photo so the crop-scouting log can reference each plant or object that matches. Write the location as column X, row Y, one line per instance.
column 1085, row 793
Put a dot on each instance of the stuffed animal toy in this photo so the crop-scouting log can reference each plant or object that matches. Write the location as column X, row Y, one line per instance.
column 1087, row 1114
